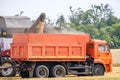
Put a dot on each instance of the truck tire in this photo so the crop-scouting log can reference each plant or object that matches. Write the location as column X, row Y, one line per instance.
column 9, row 72
column 58, row 71
column 98, row 70
column 41, row 71
column 24, row 74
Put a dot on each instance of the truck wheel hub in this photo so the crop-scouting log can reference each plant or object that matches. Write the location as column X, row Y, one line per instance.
column 7, row 71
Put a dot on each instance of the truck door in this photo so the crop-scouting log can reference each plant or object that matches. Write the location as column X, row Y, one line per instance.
column 104, row 53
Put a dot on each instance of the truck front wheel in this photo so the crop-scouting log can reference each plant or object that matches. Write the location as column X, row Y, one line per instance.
column 98, row 70
column 42, row 71
column 58, row 71
column 8, row 71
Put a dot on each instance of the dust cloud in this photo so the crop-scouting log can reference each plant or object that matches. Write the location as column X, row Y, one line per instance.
column 59, row 30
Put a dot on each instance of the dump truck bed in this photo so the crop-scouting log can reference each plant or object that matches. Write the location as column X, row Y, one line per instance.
column 49, row 47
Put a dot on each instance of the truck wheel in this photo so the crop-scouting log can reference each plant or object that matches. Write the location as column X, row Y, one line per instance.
column 8, row 71
column 42, row 71
column 58, row 71
column 98, row 70
column 24, row 74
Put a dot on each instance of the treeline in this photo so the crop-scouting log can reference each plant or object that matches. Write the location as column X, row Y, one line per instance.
column 98, row 21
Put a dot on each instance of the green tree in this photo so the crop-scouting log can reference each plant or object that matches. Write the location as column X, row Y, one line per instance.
column 101, row 13
column 76, row 16
column 60, row 21
column 90, row 29
column 115, row 30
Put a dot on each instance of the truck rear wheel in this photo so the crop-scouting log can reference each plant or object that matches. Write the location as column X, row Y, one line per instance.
column 24, row 74
column 98, row 70
column 8, row 71
column 42, row 71
column 58, row 71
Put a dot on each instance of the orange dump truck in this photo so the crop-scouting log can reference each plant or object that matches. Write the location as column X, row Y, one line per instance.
column 56, row 55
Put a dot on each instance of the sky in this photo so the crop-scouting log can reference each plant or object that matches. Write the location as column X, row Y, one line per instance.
column 52, row 8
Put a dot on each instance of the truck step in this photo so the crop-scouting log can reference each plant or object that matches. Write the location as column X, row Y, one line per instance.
column 80, row 67
column 75, row 72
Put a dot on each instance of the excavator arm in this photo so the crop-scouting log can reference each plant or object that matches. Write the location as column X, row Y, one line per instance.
column 39, row 22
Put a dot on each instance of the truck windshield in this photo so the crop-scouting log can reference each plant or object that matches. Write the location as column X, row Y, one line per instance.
column 103, row 47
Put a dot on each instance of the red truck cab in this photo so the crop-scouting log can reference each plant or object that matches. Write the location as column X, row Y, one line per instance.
column 99, row 50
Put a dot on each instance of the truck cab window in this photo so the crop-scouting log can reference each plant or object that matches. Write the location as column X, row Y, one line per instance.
column 103, row 48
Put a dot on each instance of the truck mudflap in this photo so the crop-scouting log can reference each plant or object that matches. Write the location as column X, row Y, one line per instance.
column 8, row 68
